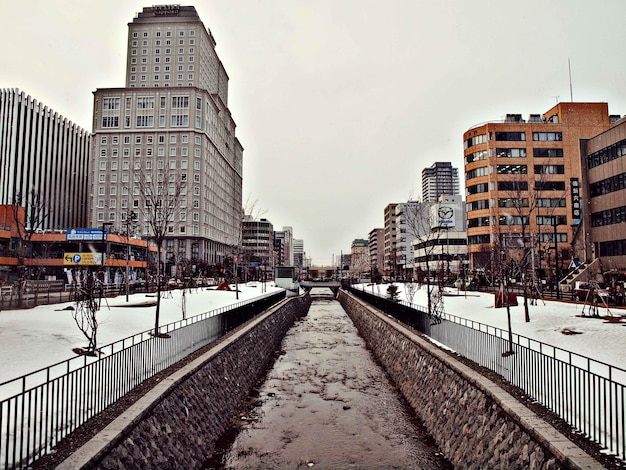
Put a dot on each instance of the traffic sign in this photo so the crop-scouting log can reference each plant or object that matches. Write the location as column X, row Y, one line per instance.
column 87, row 258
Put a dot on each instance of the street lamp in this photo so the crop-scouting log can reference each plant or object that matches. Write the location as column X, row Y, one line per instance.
column 104, row 249
column 556, row 258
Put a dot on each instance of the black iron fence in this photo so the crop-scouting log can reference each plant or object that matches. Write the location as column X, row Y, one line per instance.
column 39, row 409
column 589, row 395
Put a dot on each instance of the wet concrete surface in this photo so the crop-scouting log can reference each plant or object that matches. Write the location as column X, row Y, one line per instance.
column 327, row 404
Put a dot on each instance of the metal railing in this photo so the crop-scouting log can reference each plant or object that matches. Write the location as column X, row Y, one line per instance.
column 587, row 394
column 39, row 409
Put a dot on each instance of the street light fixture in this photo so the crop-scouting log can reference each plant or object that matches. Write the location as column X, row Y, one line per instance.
column 556, row 258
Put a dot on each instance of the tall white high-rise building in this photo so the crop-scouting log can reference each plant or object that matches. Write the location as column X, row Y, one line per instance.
column 170, row 124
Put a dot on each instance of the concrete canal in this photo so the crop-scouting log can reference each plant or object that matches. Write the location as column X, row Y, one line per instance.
column 327, row 404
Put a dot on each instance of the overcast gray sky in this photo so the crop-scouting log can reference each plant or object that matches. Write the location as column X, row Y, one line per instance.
column 340, row 104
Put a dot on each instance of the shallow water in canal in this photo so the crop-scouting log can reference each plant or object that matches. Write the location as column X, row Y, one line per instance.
column 327, row 404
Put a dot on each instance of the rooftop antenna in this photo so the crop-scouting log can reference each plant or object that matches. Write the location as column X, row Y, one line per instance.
column 571, row 94
column 556, row 98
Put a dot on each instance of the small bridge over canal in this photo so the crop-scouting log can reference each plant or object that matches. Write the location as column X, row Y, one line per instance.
column 332, row 285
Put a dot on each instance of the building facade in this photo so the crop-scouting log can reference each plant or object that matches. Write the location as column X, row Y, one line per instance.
column 257, row 244
column 600, row 242
column 405, row 214
column 376, row 239
column 389, row 228
column 523, row 177
column 169, row 127
column 359, row 258
column 45, row 155
column 439, row 179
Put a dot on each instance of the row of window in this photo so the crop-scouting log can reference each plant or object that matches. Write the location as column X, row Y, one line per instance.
column 607, row 154
column 176, row 120
column 515, row 170
column 514, row 153
column 608, row 185
column 547, row 237
column 513, row 137
column 112, row 103
column 521, row 136
column 150, row 139
column 516, row 220
column 166, row 68
column 615, row 215
column 612, row 248
column 143, row 78
column 148, row 166
column 181, row 33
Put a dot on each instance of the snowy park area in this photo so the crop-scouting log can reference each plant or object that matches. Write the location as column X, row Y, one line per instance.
column 39, row 337
column 565, row 325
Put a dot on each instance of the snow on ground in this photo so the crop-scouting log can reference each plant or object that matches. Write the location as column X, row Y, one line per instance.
column 596, row 338
column 42, row 336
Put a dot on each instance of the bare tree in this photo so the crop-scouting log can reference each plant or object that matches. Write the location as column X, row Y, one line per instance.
column 30, row 213
column 160, row 195
column 421, row 225
column 85, row 313
column 525, row 204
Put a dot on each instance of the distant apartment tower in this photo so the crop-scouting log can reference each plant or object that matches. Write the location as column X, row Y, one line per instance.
column 42, row 152
column 405, row 214
column 359, row 257
column 298, row 253
column 376, row 240
column 439, row 179
column 389, row 248
column 257, row 242
column 527, row 173
column 171, row 122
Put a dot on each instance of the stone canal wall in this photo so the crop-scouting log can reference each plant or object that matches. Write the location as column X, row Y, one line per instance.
column 475, row 422
column 178, row 423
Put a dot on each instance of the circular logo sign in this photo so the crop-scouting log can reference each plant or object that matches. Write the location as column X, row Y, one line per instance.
column 445, row 212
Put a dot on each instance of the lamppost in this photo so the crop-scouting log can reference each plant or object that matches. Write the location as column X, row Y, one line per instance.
column 556, row 258
column 104, row 249
column 130, row 221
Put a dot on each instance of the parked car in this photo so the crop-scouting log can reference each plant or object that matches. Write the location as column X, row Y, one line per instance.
column 174, row 283
column 591, row 291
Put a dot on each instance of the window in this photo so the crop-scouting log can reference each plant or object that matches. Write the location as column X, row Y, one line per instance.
column 478, row 139
column 179, row 120
column 475, row 189
column 477, row 205
column 549, row 220
column 110, row 103
column 145, row 102
column 549, row 169
column 549, row 185
column 511, row 153
column 110, row 121
column 513, row 202
column 512, row 169
column 510, row 136
column 482, row 171
column 145, row 121
column 547, row 153
column 180, row 101
column 476, row 156
column 547, row 136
